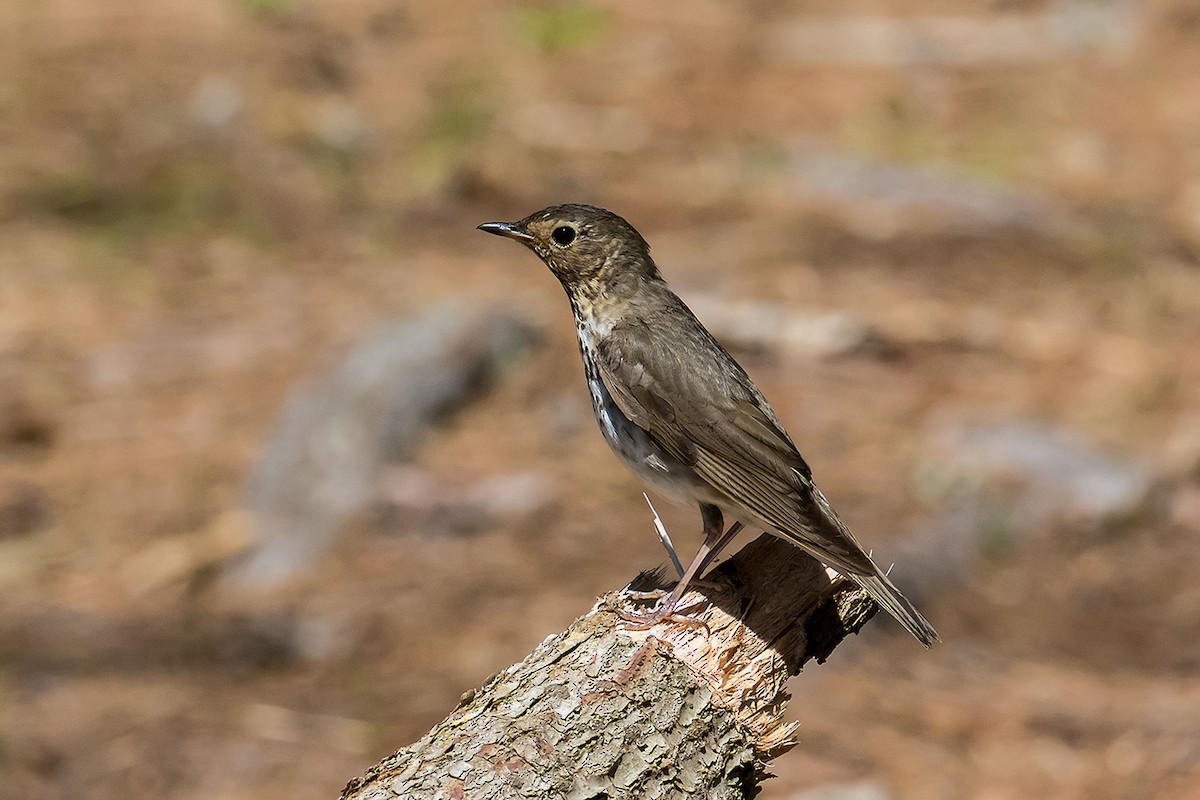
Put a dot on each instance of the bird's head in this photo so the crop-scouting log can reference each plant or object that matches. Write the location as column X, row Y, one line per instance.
column 587, row 248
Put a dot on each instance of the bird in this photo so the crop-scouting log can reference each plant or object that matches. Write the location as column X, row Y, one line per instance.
column 681, row 413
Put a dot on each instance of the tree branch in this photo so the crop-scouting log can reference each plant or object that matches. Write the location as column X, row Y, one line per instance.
column 598, row 711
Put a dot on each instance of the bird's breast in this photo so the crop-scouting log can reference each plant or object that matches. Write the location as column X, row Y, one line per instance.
column 631, row 443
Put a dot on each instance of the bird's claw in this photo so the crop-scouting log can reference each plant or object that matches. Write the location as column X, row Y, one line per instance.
column 664, row 612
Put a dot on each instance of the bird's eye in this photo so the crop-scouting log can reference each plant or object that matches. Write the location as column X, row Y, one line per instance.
column 563, row 235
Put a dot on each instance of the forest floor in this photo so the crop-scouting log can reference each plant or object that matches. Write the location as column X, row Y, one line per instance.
column 203, row 204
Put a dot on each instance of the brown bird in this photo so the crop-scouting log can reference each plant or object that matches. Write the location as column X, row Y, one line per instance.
column 680, row 412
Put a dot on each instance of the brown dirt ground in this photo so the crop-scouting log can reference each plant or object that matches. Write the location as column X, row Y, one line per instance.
column 201, row 202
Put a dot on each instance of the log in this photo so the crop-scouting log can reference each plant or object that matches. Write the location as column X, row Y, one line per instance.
column 677, row 711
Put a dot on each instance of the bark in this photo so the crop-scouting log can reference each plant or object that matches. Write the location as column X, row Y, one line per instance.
column 678, row 711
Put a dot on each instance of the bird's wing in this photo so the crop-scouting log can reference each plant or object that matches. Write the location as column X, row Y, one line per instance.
column 727, row 434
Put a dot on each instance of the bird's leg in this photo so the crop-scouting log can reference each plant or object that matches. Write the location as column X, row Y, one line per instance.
column 716, row 539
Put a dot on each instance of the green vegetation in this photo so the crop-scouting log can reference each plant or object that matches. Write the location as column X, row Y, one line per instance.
column 269, row 9
column 563, row 28
column 461, row 114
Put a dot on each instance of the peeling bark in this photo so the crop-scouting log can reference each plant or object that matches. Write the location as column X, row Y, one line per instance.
column 678, row 711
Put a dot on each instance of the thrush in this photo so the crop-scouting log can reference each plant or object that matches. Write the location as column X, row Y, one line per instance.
column 680, row 412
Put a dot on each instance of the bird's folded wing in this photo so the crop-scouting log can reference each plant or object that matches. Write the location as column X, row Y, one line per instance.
column 722, row 429
column 729, row 436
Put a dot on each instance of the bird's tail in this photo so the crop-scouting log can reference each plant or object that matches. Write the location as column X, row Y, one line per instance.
column 837, row 548
column 889, row 598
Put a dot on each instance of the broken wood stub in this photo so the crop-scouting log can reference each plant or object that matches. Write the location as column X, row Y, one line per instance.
column 679, row 710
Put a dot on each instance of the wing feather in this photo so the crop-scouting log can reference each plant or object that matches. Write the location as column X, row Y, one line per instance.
column 726, row 433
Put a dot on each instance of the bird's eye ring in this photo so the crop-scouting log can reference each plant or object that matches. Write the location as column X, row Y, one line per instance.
column 563, row 235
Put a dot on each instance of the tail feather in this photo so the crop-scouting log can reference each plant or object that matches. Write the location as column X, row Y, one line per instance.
column 889, row 598
column 876, row 584
column 831, row 542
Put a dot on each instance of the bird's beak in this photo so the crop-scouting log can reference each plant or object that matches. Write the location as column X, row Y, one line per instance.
column 508, row 229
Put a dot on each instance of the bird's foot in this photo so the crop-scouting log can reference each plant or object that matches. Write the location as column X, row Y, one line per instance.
column 654, row 594
column 665, row 611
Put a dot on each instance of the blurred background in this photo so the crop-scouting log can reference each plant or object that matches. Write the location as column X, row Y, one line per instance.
column 291, row 456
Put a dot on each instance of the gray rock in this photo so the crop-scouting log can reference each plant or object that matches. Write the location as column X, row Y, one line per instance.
column 1053, row 474
column 996, row 484
column 890, row 191
column 323, row 460
column 409, row 493
column 1065, row 29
